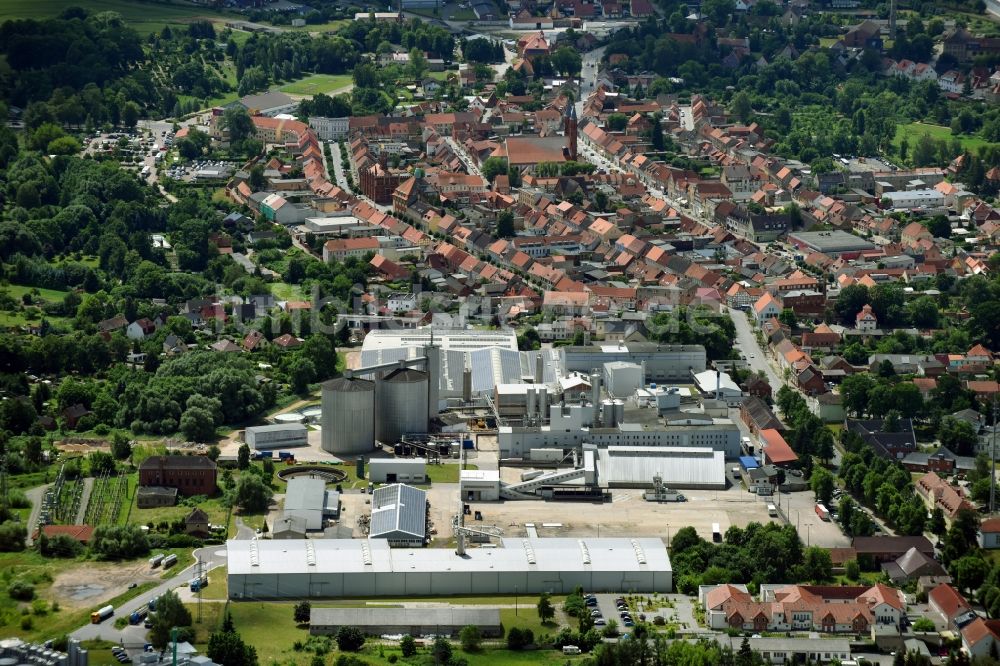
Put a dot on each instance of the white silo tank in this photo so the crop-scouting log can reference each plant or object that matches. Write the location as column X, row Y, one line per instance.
column 400, row 404
column 348, row 420
column 619, row 412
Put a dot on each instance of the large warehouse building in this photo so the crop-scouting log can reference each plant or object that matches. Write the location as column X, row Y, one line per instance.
column 399, row 515
column 680, row 467
column 412, row 621
column 332, row 568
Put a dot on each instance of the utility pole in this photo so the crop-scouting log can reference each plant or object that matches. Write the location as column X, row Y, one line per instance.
column 199, row 589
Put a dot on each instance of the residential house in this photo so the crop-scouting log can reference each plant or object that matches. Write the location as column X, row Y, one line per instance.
column 139, row 329
column 866, row 320
column 989, row 534
column 894, row 445
column 954, row 610
column 910, row 566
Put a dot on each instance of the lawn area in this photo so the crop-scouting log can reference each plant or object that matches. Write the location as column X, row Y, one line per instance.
column 282, row 291
column 217, row 514
column 51, row 295
column 445, row 473
column 329, row 26
column 441, row 76
column 143, row 16
column 913, row 132
column 317, row 83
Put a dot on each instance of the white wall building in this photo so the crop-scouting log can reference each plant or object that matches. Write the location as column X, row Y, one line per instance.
column 281, row 435
column 927, row 198
column 330, row 129
column 480, row 485
column 397, row 470
column 262, row 569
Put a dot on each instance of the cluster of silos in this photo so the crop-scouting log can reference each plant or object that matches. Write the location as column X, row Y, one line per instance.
column 612, row 413
column 348, row 420
column 536, row 405
column 356, row 412
column 15, row 652
column 401, row 404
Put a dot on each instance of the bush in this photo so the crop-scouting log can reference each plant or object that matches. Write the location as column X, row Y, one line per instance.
column 27, row 623
column 60, row 545
column 21, row 590
column 120, row 543
column 408, row 646
column 471, row 638
column 12, row 536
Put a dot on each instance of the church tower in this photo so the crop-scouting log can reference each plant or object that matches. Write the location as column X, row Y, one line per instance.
column 569, row 128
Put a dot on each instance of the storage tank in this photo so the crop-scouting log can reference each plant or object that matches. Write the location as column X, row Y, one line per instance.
column 401, row 404
column 608, row 414
column 348, row 421
column 619, row 412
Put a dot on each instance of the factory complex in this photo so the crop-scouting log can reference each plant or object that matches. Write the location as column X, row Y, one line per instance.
column 574, row 423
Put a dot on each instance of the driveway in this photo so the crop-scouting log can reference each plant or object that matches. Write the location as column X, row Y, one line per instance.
column 36, row 496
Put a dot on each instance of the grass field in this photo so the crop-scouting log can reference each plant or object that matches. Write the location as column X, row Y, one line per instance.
column 317, row 83
column 446, row 473
column 143, row 16
column 913, row 132
column 283, row 291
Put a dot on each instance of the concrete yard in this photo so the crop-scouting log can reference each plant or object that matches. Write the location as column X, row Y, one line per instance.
column 628, row 514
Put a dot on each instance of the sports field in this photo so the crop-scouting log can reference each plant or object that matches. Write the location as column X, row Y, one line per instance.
column 317, row 83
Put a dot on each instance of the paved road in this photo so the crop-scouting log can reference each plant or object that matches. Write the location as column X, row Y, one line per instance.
column 81, row 512
column 470, row 165
column 755, row 355
column 339, row 177
column 36, row 496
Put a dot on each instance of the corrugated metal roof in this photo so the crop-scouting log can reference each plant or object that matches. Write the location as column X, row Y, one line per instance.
column 398, row 509
column 678, row 466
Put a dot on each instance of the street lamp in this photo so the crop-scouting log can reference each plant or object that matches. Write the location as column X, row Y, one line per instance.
column 515, row 600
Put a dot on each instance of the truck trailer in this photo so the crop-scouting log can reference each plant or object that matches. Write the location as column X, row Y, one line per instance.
column 102, row 614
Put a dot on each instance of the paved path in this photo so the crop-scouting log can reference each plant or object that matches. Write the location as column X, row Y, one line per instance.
column 36, row 496
column 81, row 512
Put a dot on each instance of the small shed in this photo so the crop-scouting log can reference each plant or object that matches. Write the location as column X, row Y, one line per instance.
column 196, row 523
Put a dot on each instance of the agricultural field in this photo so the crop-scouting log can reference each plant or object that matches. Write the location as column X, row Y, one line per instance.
column 317, row 83
column 143, row 16
column 913, row 131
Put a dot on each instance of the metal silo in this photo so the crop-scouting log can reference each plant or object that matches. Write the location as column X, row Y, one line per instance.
column 348, row 420
column 401, row 404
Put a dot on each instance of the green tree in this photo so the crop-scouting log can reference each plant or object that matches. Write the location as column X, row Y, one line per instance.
column 788, row 318
column 470, row 638
column 408, row 646
column 170, row 613
column 243, row 457
column 822, row 484
column 121, row 448
column 418, row 64
column 937, row 525
column 493, row 167
column 505, row 224
column 197, row 424
column 237, row 120
column 251, row 494
column 852, row 570
column 924, row 624
column 350, row 639
column 923, row 312
column 741, row 107
column 226, row 647
column 959, row 436
column 850, row 301
column 546, row 611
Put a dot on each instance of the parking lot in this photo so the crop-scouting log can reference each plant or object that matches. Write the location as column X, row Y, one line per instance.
column 800, row 509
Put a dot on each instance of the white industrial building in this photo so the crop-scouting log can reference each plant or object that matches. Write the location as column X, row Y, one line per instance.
column 278, row 436
column 662, row 362
column 308, row 499
column 447, row 339
column 570, row 426
column 479, row 485
column 399, row 515
column 397, row 470
column 622, row 379
column 261, row 569
column 680, row 467
column 926, row 198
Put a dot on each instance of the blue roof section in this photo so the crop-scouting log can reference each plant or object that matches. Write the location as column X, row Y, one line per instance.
column 749, row 462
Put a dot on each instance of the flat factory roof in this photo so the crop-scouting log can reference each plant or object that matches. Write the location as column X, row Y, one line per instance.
column 318, row 556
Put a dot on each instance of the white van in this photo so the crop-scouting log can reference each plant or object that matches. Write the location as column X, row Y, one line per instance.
column 772, row 510
column 571, row 649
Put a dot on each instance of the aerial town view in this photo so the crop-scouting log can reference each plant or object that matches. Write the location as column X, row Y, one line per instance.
column 500, row 332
